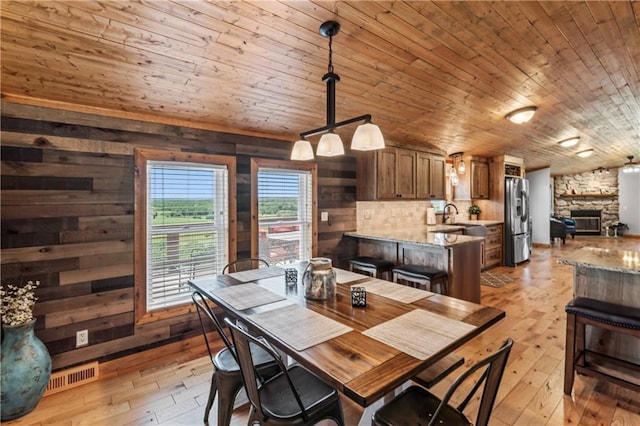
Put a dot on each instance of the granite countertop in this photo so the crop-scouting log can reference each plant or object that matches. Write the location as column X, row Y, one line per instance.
column 477, row 222
column 427, row 236
column 606, row 259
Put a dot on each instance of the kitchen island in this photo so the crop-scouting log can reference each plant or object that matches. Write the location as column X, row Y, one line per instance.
column 612, row 276
column 437, row 246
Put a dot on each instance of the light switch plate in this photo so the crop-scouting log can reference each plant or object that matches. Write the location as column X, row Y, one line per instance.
column 324, row 216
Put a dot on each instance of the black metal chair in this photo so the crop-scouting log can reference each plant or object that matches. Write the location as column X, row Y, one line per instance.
column 226, row 376
column 294, row 397
column 432, row 375
column 417, row 406
column 244, row 265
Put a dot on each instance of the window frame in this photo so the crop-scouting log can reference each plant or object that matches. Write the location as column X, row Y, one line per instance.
column 312, row 168
column 141, row 157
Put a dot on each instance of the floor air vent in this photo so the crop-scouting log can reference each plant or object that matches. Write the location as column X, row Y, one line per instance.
column 71, row 378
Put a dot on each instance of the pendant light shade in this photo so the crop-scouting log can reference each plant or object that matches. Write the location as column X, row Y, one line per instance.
column 367, row 137
column 453, row 176
column 302, row 151
column 461, row 167
column 330, row 145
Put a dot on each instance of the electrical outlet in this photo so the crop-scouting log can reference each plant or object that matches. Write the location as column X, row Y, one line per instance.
column 82, row 338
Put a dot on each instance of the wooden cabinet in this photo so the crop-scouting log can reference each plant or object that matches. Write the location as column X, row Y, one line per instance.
column 397, row 173
column 479, row 180
column 474, row 184
column 493, row 246
column 430, row 180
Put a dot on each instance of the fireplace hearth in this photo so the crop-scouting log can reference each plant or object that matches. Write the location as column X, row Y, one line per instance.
column 588, row 222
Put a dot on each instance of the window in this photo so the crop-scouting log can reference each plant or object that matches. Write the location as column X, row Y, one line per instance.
column 283, row 210
column 183, row 229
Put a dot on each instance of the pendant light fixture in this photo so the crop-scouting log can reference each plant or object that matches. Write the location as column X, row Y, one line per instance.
column 367, row 135
column 461, row 166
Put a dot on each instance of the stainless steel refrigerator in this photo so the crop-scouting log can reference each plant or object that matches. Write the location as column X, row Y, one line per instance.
column 517, row 223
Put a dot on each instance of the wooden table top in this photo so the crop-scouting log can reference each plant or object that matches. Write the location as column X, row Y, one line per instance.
column 363, row 368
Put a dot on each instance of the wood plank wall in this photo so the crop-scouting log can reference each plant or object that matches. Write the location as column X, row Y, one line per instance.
column 67, row 220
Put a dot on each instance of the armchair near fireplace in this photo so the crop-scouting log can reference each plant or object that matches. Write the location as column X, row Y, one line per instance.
column 560, row 227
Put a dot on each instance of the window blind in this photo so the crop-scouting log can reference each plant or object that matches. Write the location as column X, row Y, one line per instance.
column 187, row 228
column 284, row 215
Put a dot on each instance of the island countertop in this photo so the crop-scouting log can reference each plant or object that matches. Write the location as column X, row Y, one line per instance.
column 428, row 236
column 605, row 259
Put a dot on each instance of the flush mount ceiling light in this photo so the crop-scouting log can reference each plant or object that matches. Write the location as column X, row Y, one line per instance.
column 585, row 153
column 522, row 115
column 567, row 143
column 367, row 135
column 461, row 166
column 631, row 166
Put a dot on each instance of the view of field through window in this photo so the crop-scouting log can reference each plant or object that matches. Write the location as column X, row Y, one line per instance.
column 187, row 228
column 284, row 215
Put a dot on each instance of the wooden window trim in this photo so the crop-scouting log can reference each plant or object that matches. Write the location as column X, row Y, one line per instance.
column 141, row 157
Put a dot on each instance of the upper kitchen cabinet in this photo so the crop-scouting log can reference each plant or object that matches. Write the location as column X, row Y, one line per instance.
column 396, row 170
column 430, row 180
column 474, row 185
column 479, row 179
column 398, row 173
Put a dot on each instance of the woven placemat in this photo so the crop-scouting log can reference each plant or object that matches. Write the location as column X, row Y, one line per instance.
column 419, row 333
column 299, row 327
column 343, row 277
column 257, row 274
column 394, row 291
column 245, row 296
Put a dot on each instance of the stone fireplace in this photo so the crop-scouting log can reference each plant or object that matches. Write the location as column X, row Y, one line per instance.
column 593, row 195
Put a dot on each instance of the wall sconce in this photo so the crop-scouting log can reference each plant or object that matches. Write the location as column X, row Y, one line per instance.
column 585, row 153
column 567, row 143
column 367, row 135
column 522, row 115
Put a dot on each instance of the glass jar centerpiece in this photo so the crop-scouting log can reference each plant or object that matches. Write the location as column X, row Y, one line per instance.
column 319, row 279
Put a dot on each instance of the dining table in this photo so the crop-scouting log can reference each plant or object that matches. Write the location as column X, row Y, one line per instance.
column 365, row 352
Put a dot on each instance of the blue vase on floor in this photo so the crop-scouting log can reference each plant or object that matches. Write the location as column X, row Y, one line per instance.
column 26, row 369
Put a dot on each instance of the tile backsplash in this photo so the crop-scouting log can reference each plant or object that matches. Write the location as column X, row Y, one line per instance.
column 386, row 215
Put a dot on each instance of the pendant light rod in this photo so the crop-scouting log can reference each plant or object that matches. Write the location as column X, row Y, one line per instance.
column 331, row 126
column 329, row 29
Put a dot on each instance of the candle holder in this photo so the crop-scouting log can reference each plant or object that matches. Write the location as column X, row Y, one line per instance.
column 291, row 277
column 358, row 297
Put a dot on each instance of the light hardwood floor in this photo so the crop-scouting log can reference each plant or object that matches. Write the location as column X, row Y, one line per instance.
column 158, row 387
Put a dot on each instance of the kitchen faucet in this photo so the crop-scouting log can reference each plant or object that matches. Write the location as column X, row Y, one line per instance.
column 444, row 212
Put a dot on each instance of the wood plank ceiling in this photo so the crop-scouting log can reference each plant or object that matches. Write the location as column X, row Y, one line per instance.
column 441, row 74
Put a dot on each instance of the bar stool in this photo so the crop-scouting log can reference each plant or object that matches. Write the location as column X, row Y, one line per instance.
column 371, row 266
column 422, row 277
column 582, row 312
